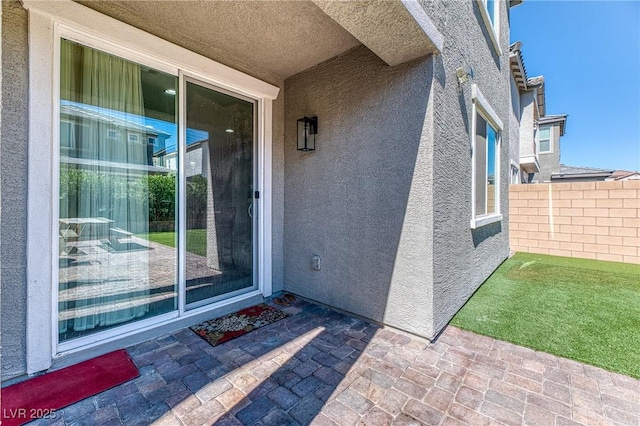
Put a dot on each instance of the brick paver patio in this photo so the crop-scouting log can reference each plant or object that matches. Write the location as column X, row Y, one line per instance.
column 324, row 368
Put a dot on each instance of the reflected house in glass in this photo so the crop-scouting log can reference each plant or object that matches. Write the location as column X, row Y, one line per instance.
column 118, row 195
column 79, row 124
column 164, row 184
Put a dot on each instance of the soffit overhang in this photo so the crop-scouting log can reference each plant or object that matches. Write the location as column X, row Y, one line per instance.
column 271, row 39
column 397, row 31
column 561, row 120
column 277, row 39
column 530, row 163
column 516, row 64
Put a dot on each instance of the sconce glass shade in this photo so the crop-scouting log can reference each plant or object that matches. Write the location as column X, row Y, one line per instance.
column 307, row 130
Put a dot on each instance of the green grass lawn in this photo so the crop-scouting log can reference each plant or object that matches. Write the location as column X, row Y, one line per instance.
column 580, row 309
column 196, row 240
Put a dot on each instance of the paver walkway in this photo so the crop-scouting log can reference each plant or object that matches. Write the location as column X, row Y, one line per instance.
column 324, row 368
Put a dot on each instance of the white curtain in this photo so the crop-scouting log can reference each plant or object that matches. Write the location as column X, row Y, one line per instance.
column 102, row 113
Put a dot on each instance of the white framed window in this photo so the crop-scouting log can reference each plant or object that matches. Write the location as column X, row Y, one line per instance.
column 49, row 24
column 544, row 139
column 68, row 134
column 133, row 137
column 486, row 150
column 515, row 174
column 490, row 11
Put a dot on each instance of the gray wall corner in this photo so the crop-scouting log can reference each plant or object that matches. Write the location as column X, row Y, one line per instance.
column 362, row 200
column 13, row 188
column 464, row 258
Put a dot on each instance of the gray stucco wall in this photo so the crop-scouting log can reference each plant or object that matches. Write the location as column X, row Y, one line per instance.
column 550, row 161
column 527, row 120
column 13, row 188
column 362, row 200
column 386, row 198
column 464, row 258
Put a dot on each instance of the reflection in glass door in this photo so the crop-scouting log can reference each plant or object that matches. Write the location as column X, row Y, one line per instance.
column 117, row 192
column 220, row 215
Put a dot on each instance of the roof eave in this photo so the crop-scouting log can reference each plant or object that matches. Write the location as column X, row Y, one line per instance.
column 562, row 119
column 516, row 63
column 580, row 175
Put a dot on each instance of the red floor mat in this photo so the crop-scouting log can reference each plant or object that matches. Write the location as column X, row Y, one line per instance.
column 44, row 395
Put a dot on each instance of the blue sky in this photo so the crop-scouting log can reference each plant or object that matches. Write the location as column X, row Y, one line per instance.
column 589, row 53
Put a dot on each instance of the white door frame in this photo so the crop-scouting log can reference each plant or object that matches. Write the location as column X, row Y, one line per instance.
column 48, row 21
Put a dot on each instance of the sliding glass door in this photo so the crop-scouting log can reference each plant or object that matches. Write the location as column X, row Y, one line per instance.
column 122, row 161
column 220, row 143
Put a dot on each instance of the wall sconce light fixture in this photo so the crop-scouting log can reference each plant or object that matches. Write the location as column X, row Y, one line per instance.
column 307, row 130
column 462, row 74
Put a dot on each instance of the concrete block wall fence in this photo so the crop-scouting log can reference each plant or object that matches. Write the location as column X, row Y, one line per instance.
column 591, row 220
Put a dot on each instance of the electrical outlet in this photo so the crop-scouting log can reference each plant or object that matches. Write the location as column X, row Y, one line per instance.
column 315, row 263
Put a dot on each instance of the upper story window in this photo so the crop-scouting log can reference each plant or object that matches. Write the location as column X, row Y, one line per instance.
column 544, row 139
column 133, row 138
column 490, row 11
column 485, row 162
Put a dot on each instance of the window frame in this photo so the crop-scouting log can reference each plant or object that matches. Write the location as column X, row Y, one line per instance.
column 133, row 137
column 481, row 106
column 514, row 173
column 550, row 150
column 48, row 23
column 492, row 25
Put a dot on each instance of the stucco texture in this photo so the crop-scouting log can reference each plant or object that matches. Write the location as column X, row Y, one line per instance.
column 13, row 188
column 527, row 120
column 463, row 258
column 362, row 200
column 385, row 200
column 270, row 40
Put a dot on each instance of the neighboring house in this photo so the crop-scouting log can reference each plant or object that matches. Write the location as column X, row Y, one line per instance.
column 535, row 146
column 624, row 175
column 584, row 174
column 373, row 222
column 527, row 108
column 550, row 129
column 580, row 174
column 81, row 126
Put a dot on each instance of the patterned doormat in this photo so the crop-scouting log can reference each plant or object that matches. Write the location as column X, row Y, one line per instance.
column 234, row 325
